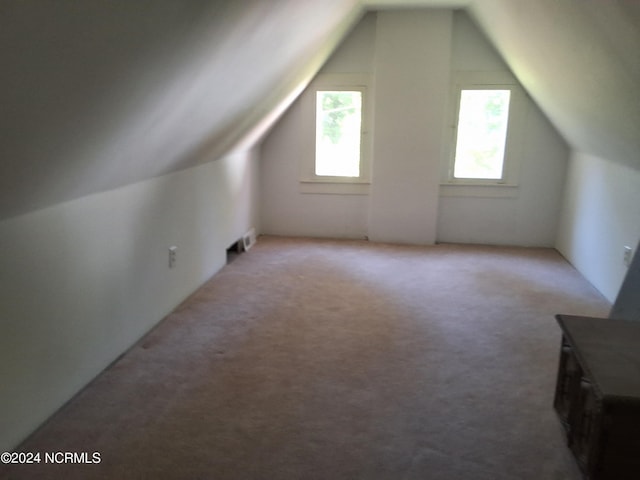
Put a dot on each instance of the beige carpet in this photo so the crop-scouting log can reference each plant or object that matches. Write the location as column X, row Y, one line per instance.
column 308, row 359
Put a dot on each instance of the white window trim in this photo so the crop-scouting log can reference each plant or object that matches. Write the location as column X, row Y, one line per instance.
column 309, row 181
column 513, row 147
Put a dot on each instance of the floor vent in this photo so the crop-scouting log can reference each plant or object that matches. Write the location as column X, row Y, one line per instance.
column 248, row 239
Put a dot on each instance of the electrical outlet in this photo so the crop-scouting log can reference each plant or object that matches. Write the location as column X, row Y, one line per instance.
column 628, row 255
column 173, row 251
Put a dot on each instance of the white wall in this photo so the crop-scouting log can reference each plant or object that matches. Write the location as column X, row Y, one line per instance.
column 82, row 281
column 407, row 55
column 526, row 214
column 412, row 83
column 600, row 215
column 410, row 57
column 285, row 210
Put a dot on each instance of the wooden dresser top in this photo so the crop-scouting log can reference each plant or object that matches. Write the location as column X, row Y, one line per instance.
column 608, row 351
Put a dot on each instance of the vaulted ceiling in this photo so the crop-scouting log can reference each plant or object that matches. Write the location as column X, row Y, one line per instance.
column 96, row 95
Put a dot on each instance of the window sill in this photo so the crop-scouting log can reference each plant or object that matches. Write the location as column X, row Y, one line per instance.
column 341, row 187
column 493, row 190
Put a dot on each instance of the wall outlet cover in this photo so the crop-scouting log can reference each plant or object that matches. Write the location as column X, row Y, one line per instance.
column 628, row 255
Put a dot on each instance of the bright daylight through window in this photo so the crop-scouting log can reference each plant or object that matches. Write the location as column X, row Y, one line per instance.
column 338, row 133
column 482, row 132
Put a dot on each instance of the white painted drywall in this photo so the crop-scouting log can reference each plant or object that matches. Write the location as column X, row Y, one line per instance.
column 410, row 67
column 284, row 208
column 81, row 281
column 526, row 215
column 412, row 64
column 408, row 56
column 600, row 215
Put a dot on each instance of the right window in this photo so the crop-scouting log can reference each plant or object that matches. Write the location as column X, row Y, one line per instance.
column 481, row 134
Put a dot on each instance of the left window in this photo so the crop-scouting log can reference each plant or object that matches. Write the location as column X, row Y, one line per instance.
column 335, row 135
column 338, row 133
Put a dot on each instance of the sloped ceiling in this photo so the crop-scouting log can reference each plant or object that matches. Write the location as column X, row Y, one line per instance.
column 580, row 61
column 95, row 95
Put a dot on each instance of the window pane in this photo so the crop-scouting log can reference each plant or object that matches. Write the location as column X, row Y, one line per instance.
column 338, row 127
column 482, row 132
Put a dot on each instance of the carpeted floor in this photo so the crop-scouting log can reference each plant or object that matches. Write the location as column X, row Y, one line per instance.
column 318, row 359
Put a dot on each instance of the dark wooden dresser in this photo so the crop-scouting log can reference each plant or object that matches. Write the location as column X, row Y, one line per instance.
column 598, row 395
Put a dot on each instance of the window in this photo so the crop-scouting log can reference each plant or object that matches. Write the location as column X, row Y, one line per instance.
column 487, row 119
column 335, row 135
column 338, row 133
column 483, row 117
